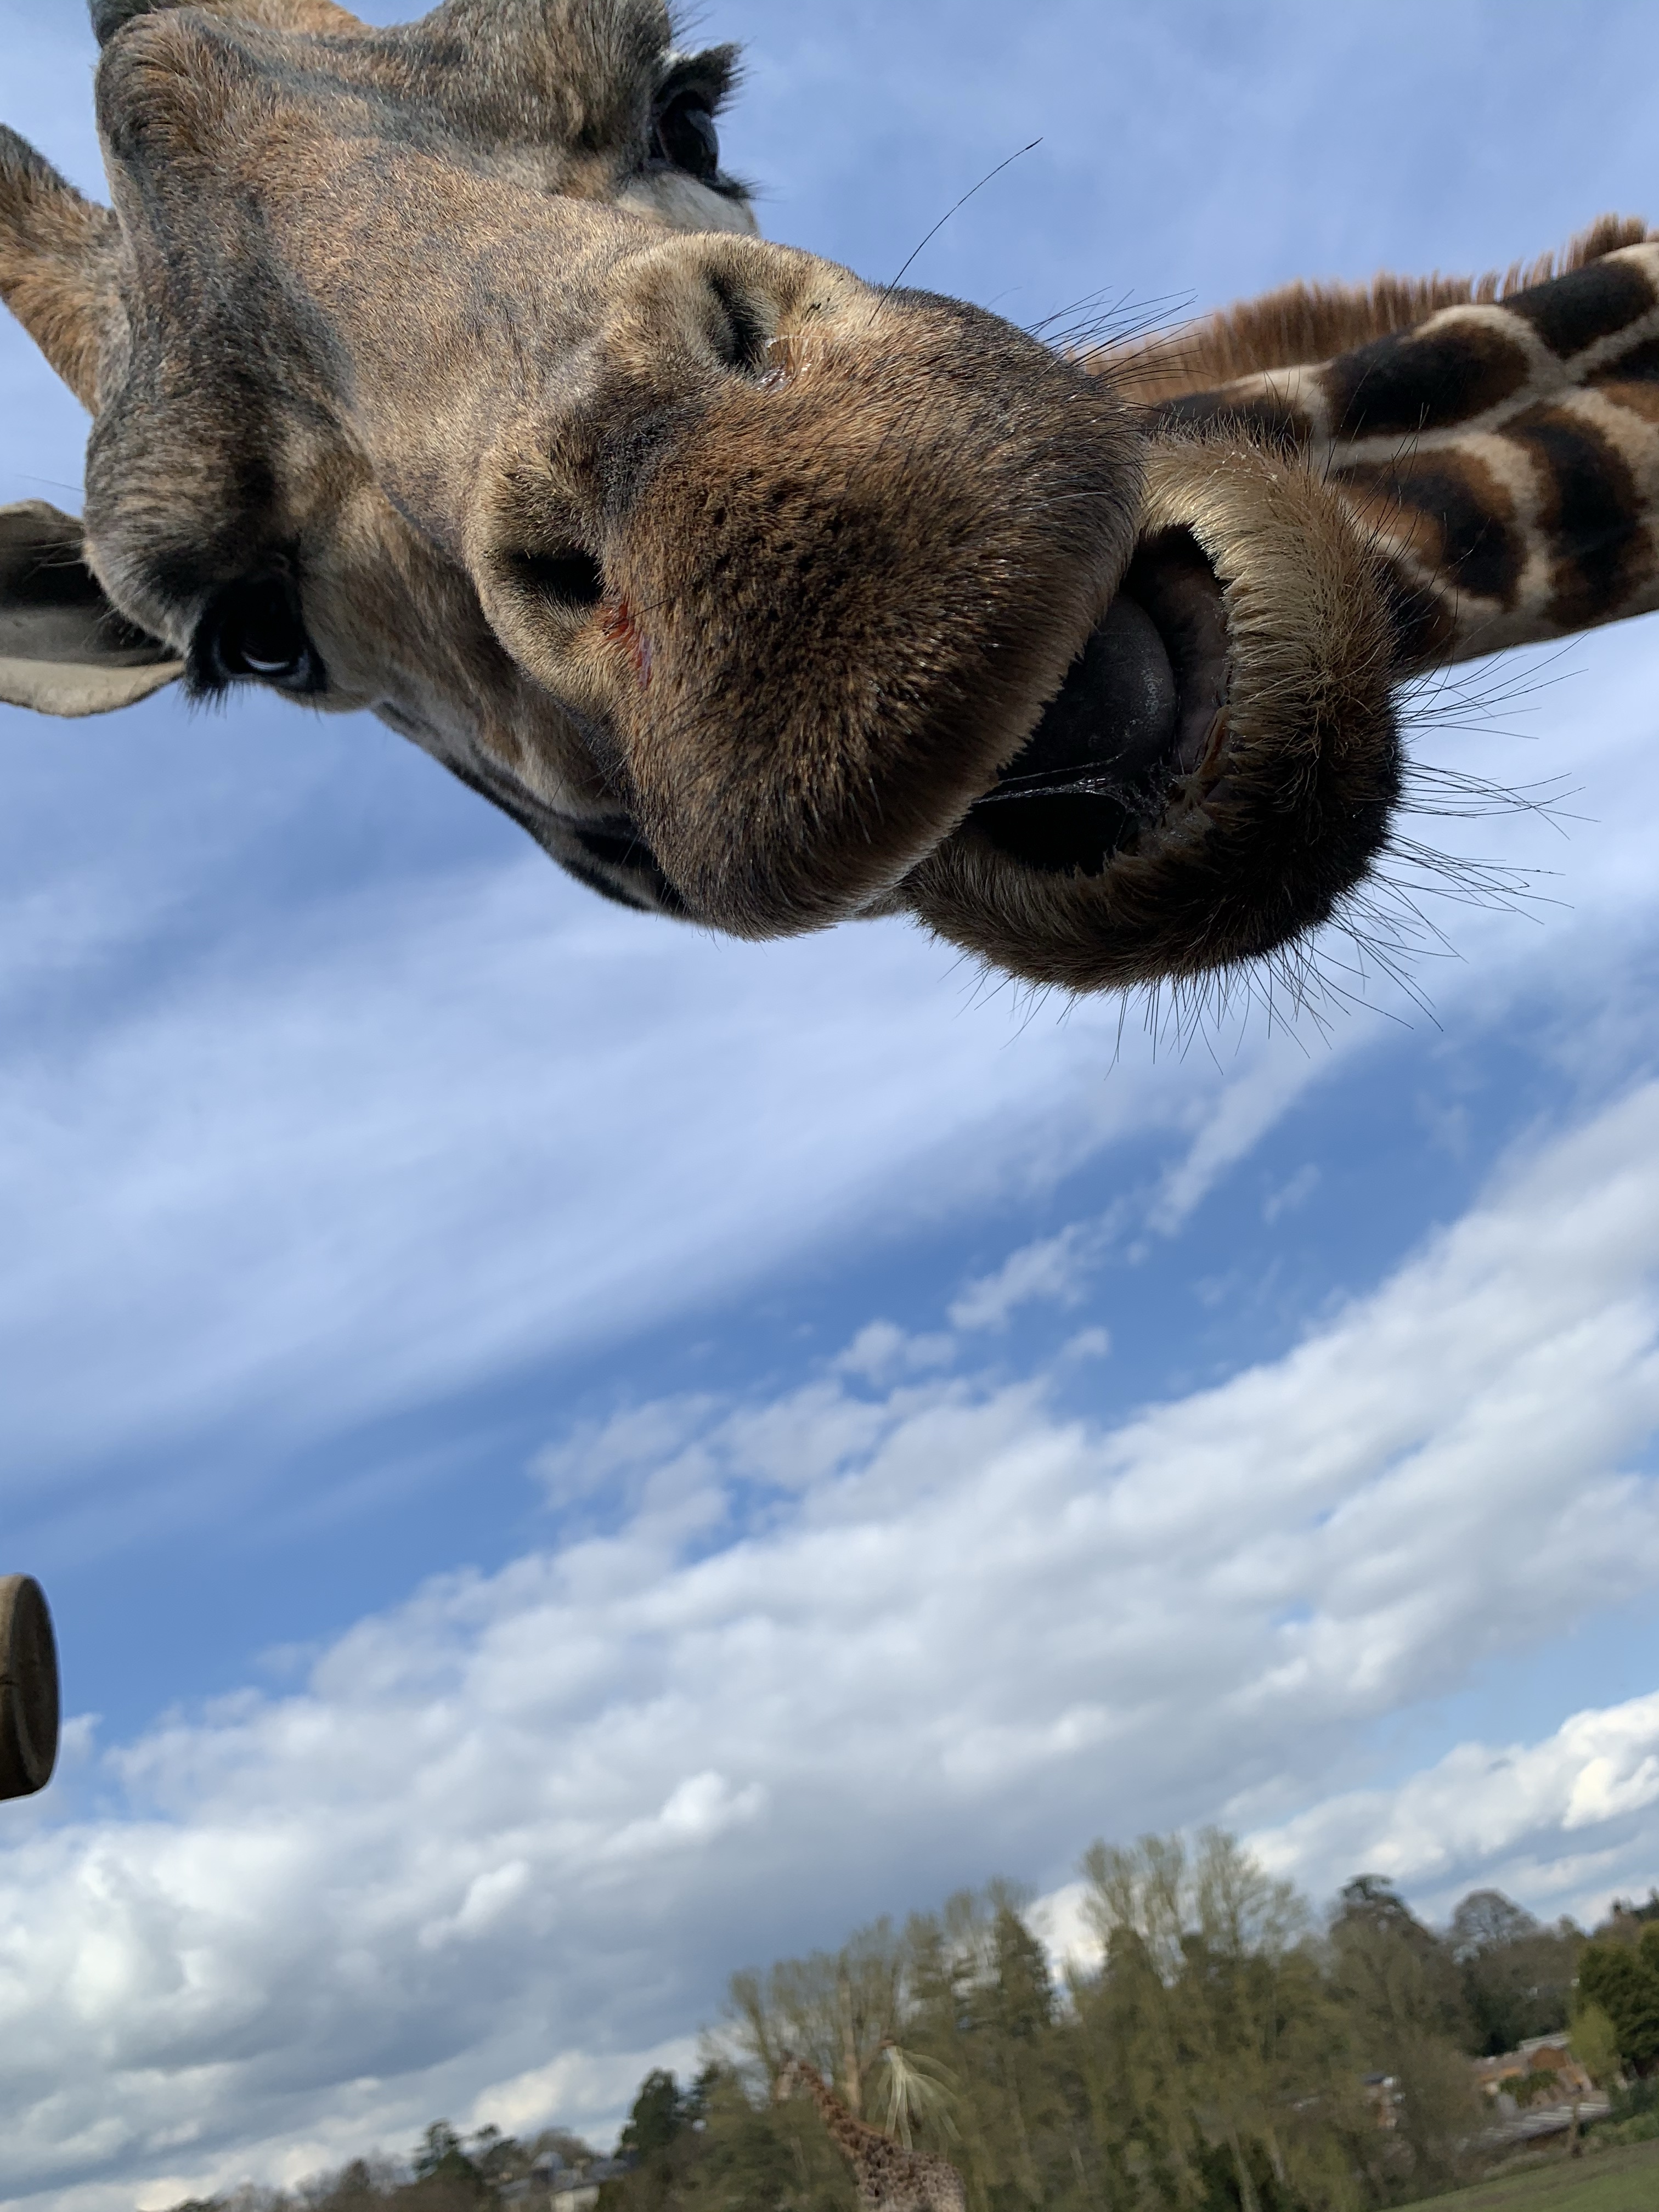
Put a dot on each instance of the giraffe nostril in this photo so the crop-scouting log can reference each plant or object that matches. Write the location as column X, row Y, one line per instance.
column 574, row 577
column 742, row 332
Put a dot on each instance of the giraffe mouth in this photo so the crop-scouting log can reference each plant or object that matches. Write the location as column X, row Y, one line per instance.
column 1219, row 767
column 1142, row 705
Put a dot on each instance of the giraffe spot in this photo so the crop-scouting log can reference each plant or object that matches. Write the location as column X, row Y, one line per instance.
column 1452, row 512
column 1640, row 400
column 1400, row 386
column 1640, row 364
column 1572, row 311
column 1590, row 515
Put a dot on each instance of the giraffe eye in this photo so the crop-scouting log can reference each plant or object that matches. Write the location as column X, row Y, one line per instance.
column 686, row 138
column 255, row 630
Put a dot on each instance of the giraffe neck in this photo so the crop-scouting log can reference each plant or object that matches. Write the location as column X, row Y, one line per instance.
column 847, row 2133
column 1502, row 455
column 889, row 2178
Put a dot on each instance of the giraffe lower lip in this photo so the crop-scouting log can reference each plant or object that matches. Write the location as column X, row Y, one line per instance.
column 1137, row 710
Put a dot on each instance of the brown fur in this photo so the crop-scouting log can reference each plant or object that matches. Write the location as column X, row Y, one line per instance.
column 57, row 261
column 318, row 18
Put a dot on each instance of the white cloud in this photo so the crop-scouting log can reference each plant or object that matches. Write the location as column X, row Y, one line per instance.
column 697, row 1810
column 1087, row 1344
column 1256, row 1097
column 576, row 2082
column 1293, row 1193
column 1060, row 1922
column 881, row 1350
column 1517, row 1812
column 515, row 1831
column 444, row 1130
column 1053, row 1269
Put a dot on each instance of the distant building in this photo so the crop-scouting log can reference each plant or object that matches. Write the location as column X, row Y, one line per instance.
column 551, row 2186
column 1537, row 2089
column 1539, row 2054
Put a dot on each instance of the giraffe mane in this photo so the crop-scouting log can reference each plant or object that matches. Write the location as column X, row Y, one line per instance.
column 1301, row 323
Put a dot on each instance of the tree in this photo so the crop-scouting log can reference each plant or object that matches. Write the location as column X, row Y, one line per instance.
column 977, row 2003
column 1217, row 2061
column 913, row 2093
column 1139, row 2097
column 1487, row 1921
column 1595, row 2044
column 1397, row 1972
column 1517, row 1976
column 440, row 2156
column 660, row 2140
column 833, row 2009
column 752, row 2157
column 495, row 2158
column 356, row 2186
column 657, row 2118
column 1401, row 1990
column 1624, row 1981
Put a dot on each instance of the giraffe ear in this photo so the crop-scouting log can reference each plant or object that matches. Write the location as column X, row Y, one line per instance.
column 58, row 265
column 63, row 649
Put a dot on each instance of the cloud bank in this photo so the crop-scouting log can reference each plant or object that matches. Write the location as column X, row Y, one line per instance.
column 507, row 1838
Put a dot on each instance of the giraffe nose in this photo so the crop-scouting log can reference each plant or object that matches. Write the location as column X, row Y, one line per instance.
column 841, row 550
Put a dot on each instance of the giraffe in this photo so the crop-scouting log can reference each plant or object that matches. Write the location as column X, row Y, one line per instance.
column 889, row 2177
column 441, row 371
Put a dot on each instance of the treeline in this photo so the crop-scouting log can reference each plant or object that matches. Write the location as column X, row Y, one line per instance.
column 1228, row 2054
column 444, row 2173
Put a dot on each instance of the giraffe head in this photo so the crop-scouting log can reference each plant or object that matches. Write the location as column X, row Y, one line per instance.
column 791, row 2078
column 439, row 371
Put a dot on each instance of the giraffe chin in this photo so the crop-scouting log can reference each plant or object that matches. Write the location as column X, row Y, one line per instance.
column 1218, row 770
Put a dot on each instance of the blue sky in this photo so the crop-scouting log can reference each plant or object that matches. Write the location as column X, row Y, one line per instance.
column 570, row 1457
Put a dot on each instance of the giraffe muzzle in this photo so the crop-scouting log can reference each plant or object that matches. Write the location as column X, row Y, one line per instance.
column 1218, row 770
column 827, row 602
